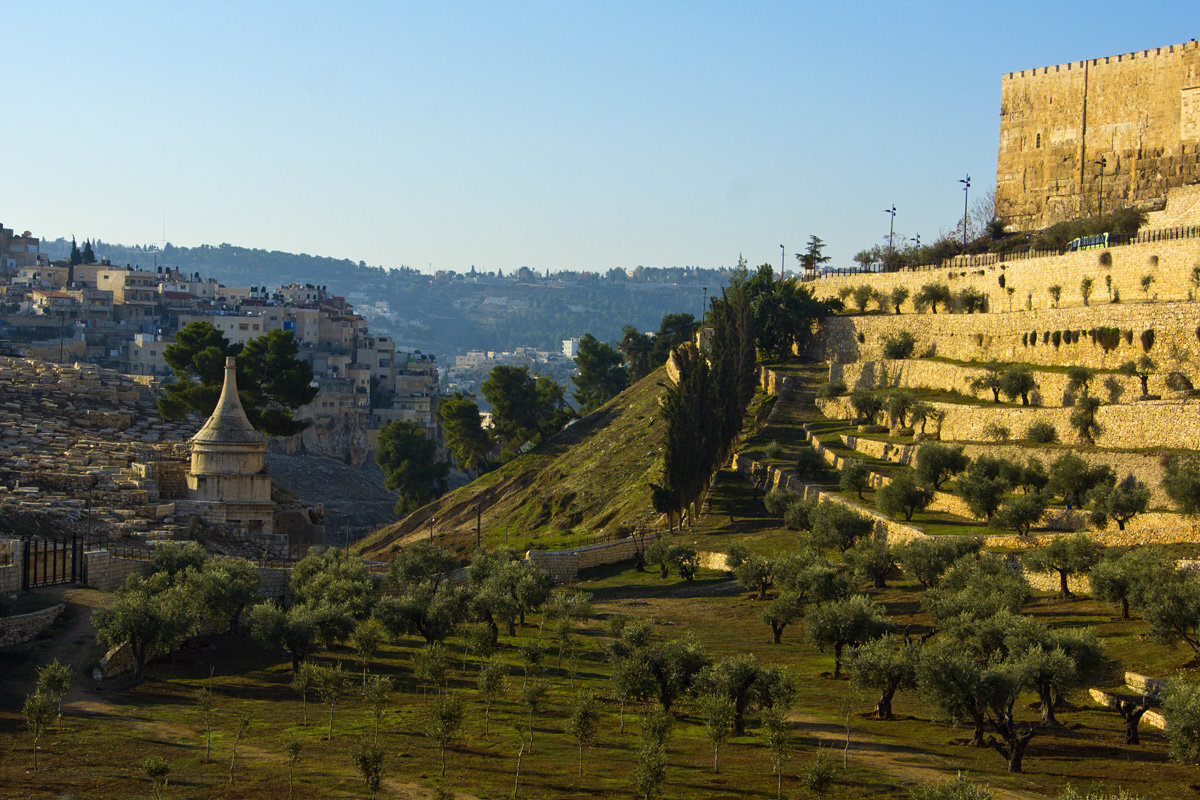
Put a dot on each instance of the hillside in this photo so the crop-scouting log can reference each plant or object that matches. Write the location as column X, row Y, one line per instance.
column 450, row 312
column 588, row 482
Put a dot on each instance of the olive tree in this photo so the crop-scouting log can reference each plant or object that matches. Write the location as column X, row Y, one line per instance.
column 1066, row 555
column 842, row 623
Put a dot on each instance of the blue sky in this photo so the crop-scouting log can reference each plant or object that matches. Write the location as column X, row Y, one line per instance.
column 555, row 135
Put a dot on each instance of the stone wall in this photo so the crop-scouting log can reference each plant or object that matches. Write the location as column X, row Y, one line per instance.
column 107, row 572
column 1140, row 111
column 23, row 627
column 1137, row 426
column 1005, row 337
column 564, row 565
column 1168, row 262
column 920, row 373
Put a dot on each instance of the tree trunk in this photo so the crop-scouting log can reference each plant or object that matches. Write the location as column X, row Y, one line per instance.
column 443, row 749
column 716, row 766
column 881, row 580
column 1132, row 712
column 776, row 632
column 517, row 779
column 837, row 659
column 1063, row 589
column 883, row 709
column 1047, row 698
column 1124, row 608
column 331, row 723
column 581, row 760
column 510, row 624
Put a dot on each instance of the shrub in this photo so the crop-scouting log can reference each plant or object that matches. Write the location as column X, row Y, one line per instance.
column 1106, row 259
column 1178, row 382
column 1127, row 334
column 1147, row 340
column 1056, row 338
column 1041, row 432
column 997, row 432
column 1085, row 290
column 798, row 515
column 1182, row 705
column 1107, row 338
column 778, row 499
column 773, row 449
column 958, row 789
column 899, row 346
column 831, row 388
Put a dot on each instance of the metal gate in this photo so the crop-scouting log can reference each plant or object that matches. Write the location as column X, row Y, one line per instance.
column 50, row 562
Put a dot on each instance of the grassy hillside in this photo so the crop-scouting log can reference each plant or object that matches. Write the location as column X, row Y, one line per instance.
column 586, row 483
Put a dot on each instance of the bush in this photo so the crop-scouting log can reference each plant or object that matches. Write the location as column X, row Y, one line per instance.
column 958, row 789
column 1041, row 432
column 778, row 499
column 1147, row 340
column 899, row 346
column 798, row 515
column 1108, row 338
column 773, row 449
column 833, row 388
column 997, row 432
column 1182, row 706
column 816, row 776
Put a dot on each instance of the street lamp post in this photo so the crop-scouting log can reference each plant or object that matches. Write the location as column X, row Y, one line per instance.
column 704, row 307
column 1100, row 162
column 891, row 225
column 782, row 261
column 966, row 182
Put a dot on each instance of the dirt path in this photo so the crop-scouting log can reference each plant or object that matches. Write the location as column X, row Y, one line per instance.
column 72, row 640
column 188, row 737
column 902, row 762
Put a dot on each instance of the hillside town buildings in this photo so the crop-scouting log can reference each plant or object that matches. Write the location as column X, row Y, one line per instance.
column 125, row 318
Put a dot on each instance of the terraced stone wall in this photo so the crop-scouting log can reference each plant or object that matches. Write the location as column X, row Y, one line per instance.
column 944, row 377
column 1005, row 337
column 1168, row 262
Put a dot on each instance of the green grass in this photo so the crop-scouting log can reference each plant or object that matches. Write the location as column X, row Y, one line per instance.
column 579, row 487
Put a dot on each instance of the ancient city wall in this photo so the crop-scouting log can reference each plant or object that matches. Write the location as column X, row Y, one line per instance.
column 1139, row 111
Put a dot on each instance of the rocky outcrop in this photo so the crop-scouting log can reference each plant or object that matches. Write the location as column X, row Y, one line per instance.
column 344, row 438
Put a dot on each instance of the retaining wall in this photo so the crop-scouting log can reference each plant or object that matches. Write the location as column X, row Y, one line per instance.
column 1004, row 336
column 1172, row 423
column 23, row 627
column 941, row 376
column 564, row 565
column 1031, row 278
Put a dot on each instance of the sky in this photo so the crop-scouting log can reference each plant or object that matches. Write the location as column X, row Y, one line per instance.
column 556, row 135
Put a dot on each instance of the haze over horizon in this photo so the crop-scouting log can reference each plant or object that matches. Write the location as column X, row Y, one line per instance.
column 555, row 136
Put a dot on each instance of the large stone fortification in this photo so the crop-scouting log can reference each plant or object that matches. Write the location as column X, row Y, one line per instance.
column 1140, row 112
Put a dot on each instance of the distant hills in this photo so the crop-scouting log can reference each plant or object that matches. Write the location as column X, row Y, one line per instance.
column 450, row 312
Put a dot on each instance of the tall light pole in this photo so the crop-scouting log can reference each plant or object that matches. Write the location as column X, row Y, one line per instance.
column 891, row 225
column 1100, row 162
column 782, row 261
column 966, row 182
column 704, row 307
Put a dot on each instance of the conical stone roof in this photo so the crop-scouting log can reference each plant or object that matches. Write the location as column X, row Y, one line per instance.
column 228, row 423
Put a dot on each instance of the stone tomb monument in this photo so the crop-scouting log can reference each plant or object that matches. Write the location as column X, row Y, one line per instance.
column 227, row 482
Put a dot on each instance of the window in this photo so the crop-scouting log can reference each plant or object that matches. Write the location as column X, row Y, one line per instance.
column 1037, row 143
